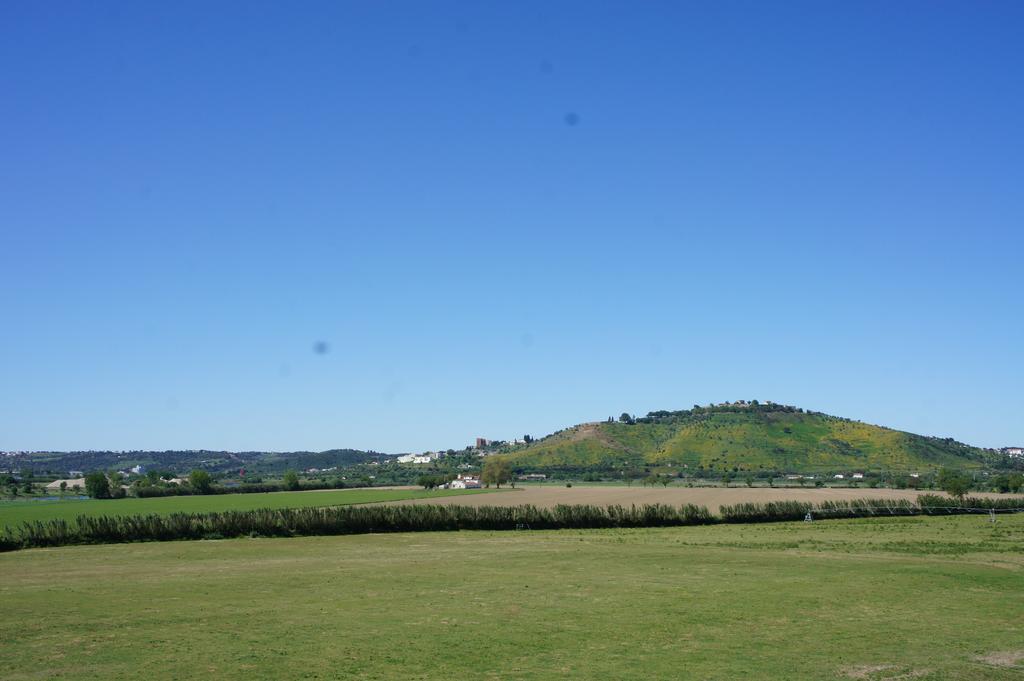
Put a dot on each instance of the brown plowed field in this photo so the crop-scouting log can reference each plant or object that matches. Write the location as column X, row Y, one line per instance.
column 712, row 497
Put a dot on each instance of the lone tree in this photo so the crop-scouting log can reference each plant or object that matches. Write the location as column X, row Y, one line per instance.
column 954, row 483
column 97, row 486
column 429, row 481
column 496, row 471
column 291, row 480
column 63, row 487
column 200, row 481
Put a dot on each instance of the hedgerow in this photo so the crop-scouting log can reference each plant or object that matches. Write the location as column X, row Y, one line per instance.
column 295, row 522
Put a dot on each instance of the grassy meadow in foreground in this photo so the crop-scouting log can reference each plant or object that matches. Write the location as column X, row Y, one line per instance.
column 924, row 598
column 16, row 512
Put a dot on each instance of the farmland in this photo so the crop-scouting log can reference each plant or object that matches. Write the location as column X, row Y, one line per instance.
column 14, row 513
column 547, row 496
column 927, row 598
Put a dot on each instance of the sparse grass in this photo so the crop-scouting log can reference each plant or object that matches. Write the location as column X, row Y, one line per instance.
column 16, row 512
column 939, row 598
column 749, row 440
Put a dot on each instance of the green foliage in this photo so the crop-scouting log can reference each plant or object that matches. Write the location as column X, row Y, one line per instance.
column 291, row 480
column 97, row 486
column 497, row 471
column 946, row 504
column 200, row 481
column 432, row 481
column 1008, row 482
column 954, row 483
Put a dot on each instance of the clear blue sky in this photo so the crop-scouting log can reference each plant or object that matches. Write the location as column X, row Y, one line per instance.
column 504, row 218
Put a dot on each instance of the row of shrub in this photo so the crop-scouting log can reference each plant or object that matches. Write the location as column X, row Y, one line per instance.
column 927, row 504
column 776, row 511
column 431, row 518
column 936, row 502
column 293, row 522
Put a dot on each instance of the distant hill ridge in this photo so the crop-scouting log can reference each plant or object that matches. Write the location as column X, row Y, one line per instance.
column 183, row 460
column 745, row 436
column 748, row 436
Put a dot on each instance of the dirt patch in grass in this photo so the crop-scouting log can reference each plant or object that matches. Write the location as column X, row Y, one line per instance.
column 882, row 672
column 865, row 671
column 1006, row 658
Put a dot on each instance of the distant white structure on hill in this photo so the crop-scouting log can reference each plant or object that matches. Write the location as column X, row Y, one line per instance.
column 465, row 482
column 425, row 457
column 1016, row 452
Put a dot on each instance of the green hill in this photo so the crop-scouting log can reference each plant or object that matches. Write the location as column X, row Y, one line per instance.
column 747, row 437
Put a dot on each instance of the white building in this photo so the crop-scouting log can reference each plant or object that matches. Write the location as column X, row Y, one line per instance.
column 1013, row 451
column 857, row 476
column 425, row 457
column 839, row 476
column 465, row 482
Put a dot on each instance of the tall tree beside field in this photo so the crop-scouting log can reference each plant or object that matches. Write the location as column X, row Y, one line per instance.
column 200, row 481
column 97, row 486
column 954, row 483
column 496, row 471
column 291, row 480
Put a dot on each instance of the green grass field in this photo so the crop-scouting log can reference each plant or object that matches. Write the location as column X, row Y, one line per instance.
column 921, row 598
column 16, row 512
